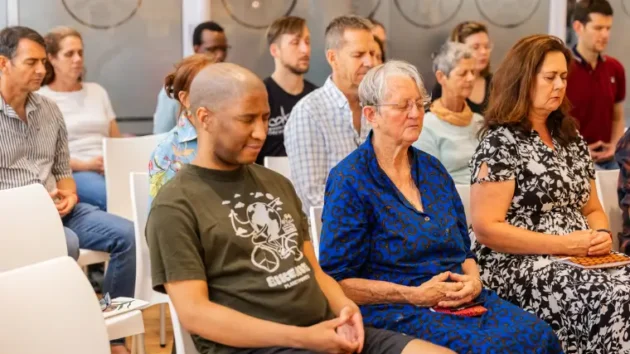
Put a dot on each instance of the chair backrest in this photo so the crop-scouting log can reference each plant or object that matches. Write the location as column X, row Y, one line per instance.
column 315, row 219
column 464, row 194
column 139, row 184
column 32, row 230
column 279, row 164
column 121, row 156
column 607, row 189
column 183, row 341
column 50, row 307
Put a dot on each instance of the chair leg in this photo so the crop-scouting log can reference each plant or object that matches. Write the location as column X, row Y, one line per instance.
column 138, row 344
column 162, row 325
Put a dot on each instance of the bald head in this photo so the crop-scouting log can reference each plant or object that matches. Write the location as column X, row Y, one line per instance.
column 221, row 83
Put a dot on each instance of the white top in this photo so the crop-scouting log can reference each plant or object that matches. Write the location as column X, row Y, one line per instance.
column 454, row 146
column 88, row 114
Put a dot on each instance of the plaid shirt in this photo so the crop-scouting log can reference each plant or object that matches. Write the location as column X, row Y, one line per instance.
column 319, row 134
column 622, row 156
column 178, row 148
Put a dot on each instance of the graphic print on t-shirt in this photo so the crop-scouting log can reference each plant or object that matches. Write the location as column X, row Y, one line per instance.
column 275, row 237
column 276, row 124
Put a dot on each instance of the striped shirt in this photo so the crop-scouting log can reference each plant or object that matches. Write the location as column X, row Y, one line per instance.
column 35, row 151
column 319, row 134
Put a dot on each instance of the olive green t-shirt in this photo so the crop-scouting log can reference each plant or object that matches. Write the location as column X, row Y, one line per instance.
column 242, row 232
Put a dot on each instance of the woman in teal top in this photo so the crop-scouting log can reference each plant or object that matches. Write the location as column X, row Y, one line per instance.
column 450, row 127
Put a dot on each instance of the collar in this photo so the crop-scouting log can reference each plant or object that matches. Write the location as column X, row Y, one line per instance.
column 186, row 132
column 580, row 59
column 33, row 101
column 381, row 178
column 335, row 93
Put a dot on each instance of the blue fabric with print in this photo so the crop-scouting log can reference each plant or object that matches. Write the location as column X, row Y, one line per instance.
column 371, row 231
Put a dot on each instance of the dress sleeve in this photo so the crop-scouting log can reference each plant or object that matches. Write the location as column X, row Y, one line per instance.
column 498, row 151
column 343, row 244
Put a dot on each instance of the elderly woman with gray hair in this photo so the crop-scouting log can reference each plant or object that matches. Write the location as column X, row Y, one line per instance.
column 450, row 127
column 394, row 234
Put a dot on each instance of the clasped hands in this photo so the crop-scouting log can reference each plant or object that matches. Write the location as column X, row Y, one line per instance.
column 447, row 289
column 588, row 243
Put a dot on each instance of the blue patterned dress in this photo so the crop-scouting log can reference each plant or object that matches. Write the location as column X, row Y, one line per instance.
column 371, row 231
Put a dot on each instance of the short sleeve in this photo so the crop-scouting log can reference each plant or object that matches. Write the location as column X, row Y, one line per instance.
column 107, row 103
column 620, row 80
column 174, row 246
column 343, row 246
column 61, row 165
column 499, row 152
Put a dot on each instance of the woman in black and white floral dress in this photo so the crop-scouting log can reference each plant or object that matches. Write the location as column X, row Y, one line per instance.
column 533, row 197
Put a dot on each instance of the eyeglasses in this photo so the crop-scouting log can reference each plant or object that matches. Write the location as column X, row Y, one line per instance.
column 406, row 106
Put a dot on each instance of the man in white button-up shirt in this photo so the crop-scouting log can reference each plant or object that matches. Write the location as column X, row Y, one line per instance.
column 327, row 125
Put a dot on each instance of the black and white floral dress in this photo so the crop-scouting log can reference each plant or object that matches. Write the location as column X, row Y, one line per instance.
column 588, row 309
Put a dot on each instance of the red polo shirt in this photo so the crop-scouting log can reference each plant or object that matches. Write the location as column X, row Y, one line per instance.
column 593, row 94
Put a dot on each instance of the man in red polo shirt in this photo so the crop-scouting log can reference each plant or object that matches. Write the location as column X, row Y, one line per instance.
column 596, row 83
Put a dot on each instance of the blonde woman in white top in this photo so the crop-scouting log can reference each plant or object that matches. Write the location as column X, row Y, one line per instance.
column 86, row 109
column 450, row 127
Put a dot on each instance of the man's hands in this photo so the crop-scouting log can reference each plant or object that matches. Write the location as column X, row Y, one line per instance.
column 341, row 335
column 65, row 200
column 601, row 151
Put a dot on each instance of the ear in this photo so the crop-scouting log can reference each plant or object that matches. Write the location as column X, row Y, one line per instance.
column 441, row 77
column 578, row 27
column 331, row 57
column 196, row 48
column 274, row 50
column 369, row 112
column 4, row 62
column 183, row 99
column 204, row 117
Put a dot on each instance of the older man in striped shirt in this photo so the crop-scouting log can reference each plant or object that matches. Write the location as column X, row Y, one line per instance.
column 34, row 149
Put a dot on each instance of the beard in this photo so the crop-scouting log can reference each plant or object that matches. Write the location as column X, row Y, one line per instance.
column 296, row 70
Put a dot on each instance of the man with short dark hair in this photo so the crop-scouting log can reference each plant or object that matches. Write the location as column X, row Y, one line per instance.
column 327, row 125
column 208, row 37
column 596, row 85
column 231, row 247
column 290, row 46
column 34, row 149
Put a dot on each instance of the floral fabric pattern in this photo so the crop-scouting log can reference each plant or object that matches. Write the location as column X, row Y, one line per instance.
column 588, row 309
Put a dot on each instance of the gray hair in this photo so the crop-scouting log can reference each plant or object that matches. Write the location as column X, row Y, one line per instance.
column 449, row 55
column 337, row 27
column 373, row 87
column 10, row 39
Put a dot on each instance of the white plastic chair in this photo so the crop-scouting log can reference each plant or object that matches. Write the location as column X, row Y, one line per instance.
column 121, row 156
column 50, row 307
column 279, row 164
column 183, row 342
column 315, row 219
column 464, row 194
column 606, row 182
column 17, row 207
column 32, row 231
column 139, row 182
column 25, row 242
